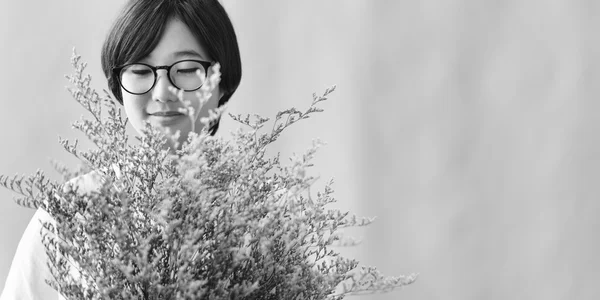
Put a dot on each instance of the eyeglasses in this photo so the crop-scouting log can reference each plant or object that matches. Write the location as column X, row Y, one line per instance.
column 139, row 78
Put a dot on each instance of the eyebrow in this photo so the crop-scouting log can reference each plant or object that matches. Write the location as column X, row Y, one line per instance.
column 187, row 53
column 182, row 53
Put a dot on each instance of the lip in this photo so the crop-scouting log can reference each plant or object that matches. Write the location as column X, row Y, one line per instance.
column 167, row 118
column 166, row 114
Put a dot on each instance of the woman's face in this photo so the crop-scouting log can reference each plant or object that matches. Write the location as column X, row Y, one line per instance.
column 177, row 43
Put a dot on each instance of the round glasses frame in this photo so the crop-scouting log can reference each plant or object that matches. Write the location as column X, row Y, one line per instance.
column 117, row 73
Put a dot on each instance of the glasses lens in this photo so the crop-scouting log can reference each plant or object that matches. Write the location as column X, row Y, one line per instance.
column 187, row 75
column 137, row 78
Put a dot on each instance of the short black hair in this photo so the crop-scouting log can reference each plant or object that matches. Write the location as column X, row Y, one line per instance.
column 139, row 28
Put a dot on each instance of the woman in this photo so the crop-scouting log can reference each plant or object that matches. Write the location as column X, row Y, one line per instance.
column 152, row 46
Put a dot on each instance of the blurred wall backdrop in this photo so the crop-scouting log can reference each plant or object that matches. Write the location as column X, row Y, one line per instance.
column 467, row 127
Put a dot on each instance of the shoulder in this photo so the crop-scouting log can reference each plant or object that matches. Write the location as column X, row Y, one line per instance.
column 85, row 183
column 29, row 270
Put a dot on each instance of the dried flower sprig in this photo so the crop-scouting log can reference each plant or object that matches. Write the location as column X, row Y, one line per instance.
column 217, row 219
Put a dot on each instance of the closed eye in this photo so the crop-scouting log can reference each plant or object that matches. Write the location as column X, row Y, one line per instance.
column 141, row 72
column 188, row 71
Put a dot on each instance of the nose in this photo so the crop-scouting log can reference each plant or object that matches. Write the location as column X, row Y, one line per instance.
column 161, row 92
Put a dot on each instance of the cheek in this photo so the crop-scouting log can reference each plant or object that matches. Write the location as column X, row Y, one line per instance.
column 211, row 104
column 135, row 107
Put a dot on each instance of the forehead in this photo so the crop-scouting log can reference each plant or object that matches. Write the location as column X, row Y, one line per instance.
column 176, row 42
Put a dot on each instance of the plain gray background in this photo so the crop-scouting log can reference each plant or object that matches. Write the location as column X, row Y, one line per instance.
column 469, row 128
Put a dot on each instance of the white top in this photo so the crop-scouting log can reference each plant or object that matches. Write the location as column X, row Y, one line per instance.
column 28, row 271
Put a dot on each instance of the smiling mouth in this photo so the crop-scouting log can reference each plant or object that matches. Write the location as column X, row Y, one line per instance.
column 167, row 114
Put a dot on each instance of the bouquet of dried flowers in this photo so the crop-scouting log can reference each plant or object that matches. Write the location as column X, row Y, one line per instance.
column 216, row 219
